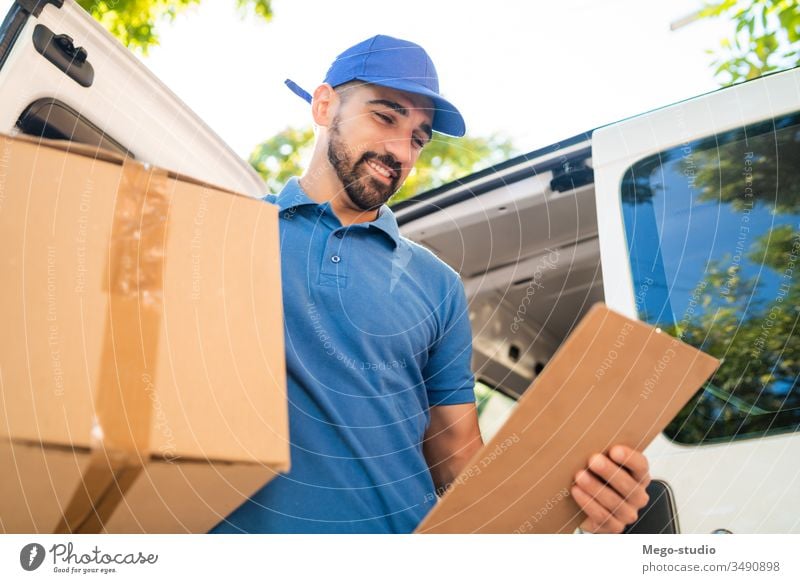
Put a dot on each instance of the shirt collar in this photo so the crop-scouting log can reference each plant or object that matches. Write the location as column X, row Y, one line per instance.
column 387, row 223
column 292, row 195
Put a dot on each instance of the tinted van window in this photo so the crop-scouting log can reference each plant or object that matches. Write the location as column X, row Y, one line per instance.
column 713, row 233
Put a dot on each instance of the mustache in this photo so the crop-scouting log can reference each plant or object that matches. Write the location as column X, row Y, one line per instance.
column 387, row 160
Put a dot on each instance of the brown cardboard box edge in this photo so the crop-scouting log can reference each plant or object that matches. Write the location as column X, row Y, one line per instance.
column 106, row 155
column 282, row 464
column 470, row 506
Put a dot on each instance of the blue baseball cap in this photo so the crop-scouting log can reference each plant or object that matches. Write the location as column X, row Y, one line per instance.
column 397, row 64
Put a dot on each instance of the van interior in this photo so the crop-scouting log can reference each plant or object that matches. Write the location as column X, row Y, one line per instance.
column 524, row 239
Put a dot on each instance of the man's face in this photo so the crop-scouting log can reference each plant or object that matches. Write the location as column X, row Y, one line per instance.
column 375, row 139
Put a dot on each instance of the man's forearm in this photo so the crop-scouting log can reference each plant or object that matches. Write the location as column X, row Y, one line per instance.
column 453, row 437
column 445, row 471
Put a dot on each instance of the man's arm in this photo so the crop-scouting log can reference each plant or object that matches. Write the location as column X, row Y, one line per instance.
column 451, row 440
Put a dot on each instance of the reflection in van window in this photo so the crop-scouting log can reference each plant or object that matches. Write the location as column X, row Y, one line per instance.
column 713, row 233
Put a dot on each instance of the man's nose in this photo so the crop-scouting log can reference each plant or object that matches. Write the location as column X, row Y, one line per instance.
column 400, row 148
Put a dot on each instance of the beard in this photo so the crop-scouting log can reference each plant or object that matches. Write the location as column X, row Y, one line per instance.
column 366, row 191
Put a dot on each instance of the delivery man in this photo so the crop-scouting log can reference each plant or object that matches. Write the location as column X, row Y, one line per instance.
column 382, row 412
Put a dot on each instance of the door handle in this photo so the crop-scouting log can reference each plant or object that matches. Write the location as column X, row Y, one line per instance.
column 60, row 50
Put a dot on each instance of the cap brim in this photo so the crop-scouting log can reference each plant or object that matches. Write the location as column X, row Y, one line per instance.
column 297, row 90
column 446, row 120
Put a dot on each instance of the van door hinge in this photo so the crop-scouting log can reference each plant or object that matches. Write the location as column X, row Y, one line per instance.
column 35, row 7
column 570, row 176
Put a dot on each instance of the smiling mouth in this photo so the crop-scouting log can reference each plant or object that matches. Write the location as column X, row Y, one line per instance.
column 381, row 170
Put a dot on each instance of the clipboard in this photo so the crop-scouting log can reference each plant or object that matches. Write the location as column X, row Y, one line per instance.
column 614, row 380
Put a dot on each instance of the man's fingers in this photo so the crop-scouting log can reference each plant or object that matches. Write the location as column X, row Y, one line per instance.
column 612, row 493
column 602, row 519
column 629, row 488
column 606, row 497
column 589, row 525
column 634, row 461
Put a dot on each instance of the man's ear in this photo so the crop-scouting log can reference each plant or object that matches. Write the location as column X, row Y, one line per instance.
column 324, row 104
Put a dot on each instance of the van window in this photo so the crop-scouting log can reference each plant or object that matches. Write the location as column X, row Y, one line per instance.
column 713, row 234
column 55, row 120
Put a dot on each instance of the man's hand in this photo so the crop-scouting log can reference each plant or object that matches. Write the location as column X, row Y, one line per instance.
column 611, row 491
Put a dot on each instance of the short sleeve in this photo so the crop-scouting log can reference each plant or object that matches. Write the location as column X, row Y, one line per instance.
column 448, row 374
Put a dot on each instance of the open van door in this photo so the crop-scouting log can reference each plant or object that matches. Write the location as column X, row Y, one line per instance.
column 63, row 76
column 698, row 215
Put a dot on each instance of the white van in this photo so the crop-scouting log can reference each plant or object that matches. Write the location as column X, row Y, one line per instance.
column 687, row 217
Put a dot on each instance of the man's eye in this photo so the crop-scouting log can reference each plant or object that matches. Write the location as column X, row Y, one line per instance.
column 384, row 117
column 419, row 143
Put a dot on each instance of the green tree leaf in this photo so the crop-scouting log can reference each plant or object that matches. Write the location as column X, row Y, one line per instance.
column 283, row 156
column 765, row 37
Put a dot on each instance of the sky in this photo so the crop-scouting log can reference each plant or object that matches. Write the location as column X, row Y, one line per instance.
column 537, row 72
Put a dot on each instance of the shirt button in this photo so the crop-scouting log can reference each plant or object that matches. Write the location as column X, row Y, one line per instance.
column 336, row 259
column 339, row 234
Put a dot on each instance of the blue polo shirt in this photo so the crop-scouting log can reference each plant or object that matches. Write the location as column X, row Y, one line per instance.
column 376, row 332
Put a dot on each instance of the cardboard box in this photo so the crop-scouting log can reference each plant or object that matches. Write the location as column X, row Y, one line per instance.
column 142, row 372
column 614, row 380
